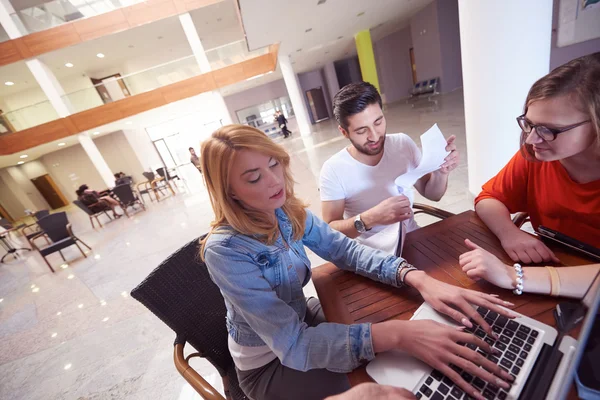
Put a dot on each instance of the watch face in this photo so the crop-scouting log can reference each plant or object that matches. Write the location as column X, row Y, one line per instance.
column 360, row 226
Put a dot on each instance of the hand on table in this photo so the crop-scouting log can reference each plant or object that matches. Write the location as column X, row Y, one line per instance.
column 455, row 301
column 373, row 391
column 481, row 264
column 521, row 246
column 451, row 161
column 437, row 345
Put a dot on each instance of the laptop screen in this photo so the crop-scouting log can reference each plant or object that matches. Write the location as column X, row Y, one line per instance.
column 589, row 307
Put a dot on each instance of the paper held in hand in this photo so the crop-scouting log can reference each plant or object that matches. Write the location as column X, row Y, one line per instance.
column 433, row 148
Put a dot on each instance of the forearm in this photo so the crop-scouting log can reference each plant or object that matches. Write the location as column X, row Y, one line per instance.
column 345, row 226
column 574, row 281
column 496, row 217
column 436, row 186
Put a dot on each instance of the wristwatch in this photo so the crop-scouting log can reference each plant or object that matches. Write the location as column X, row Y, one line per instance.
column 360, row 225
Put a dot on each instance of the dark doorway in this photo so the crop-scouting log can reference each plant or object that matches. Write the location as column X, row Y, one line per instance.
column 413, row 66
column 51, row 193
column 317, row 104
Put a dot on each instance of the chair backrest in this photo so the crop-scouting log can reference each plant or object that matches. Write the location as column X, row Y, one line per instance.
column 85, row 208
column 161, row 171
column 5, row 223
column 149, row 175
column 181, row 293
column 41, row 214
column 124, row 193
column 55, row 226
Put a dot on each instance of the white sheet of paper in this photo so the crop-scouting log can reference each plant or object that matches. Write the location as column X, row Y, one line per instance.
column 433, row 145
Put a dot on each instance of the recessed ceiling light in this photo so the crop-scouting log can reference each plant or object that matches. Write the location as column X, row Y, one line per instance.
column 24, row 156
column 128, row 122
column 69, row 65
column 100, row 55
column 308, row 30
column 9, row 83
column 61, row 144
column 96, row 133
column 360, row 14
column 21, row 162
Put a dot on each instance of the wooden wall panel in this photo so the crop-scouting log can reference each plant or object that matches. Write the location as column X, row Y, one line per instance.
column 51, row 39
column 189, row 87
column 9, row 53
column 149, row 11
column 101, row 25
column 115, row 111
column 83, row 30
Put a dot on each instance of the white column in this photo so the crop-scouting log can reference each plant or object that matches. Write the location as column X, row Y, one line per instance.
column 94, row 154
column 333, row 84
column 143, row 148
column 14, row 27
column 51, row 87
column 504, row 51
column 293, row 88
column 198, row 49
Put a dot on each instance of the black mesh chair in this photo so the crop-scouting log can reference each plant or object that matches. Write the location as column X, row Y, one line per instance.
column 93, row 214
column 127, row 198
column 5, row 223
column 180, row 292
column 41, row 214
column 164, row 173
column 57, row 227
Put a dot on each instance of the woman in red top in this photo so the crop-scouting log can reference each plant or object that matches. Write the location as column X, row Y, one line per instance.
column 555, row 178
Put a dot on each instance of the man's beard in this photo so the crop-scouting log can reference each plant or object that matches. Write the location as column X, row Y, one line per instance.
column 365, row 149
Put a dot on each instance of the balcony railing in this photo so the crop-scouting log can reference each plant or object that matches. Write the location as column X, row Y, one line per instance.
column 120, row 87
column 57, row 12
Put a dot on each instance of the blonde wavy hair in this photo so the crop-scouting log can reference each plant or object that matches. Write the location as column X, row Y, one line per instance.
column 218, row 154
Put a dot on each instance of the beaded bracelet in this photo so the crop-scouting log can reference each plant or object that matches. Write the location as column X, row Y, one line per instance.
column 519, row 273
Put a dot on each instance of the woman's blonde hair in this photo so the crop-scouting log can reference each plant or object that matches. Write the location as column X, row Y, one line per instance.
column 579, row 79
column 218, row 154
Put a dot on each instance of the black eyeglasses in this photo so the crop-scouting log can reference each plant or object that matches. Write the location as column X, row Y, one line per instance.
column 547, row 134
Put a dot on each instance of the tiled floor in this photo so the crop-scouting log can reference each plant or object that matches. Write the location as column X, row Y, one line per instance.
column 77, row 334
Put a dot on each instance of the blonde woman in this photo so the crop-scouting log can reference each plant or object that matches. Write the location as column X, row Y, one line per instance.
column 555, row 178
column 280, row 342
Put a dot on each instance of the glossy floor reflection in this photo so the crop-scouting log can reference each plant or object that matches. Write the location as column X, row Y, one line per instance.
column 77, row 334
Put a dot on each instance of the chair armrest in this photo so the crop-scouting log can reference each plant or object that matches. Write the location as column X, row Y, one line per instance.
column 520, row 218
column 204, row 389
column 145, row 184
column 32, row 240
column 30, row 226
column 429, row 210
column 70, row 230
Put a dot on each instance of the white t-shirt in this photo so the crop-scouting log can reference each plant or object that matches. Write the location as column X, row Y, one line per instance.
column 363, row 186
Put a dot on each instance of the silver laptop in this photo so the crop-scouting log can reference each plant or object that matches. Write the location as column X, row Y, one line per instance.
column 542, row 360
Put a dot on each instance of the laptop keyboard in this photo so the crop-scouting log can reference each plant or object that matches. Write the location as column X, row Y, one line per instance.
column 515, row 342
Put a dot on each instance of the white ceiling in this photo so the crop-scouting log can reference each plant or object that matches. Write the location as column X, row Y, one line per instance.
column 333, row 25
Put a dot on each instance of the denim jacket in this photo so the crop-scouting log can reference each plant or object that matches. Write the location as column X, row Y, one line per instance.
column 264, row 298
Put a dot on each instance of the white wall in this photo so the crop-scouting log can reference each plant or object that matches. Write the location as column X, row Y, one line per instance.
column 23, row 189
column 70, row 168
column 143, row 149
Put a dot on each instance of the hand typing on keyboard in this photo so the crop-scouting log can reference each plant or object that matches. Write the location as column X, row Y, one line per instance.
column 455, row 301
column 438, row 345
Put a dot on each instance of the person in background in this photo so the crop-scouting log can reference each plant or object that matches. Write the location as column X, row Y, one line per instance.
column 94, row 201
column 555, row 178
column 122, row 179
column 194, row 159
column 280, row 342
column 282, row 122
column 358, row 194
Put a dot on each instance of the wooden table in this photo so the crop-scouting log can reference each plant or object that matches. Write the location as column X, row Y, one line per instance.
column 349, row 298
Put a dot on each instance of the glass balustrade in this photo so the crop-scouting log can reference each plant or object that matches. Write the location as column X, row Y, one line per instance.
column 120, row 86
column 47, row 15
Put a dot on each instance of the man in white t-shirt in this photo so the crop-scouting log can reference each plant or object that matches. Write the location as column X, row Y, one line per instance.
column 358, row 194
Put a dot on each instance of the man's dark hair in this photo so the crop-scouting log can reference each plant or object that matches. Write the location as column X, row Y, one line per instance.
column 353, row 99
column 191, row 148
